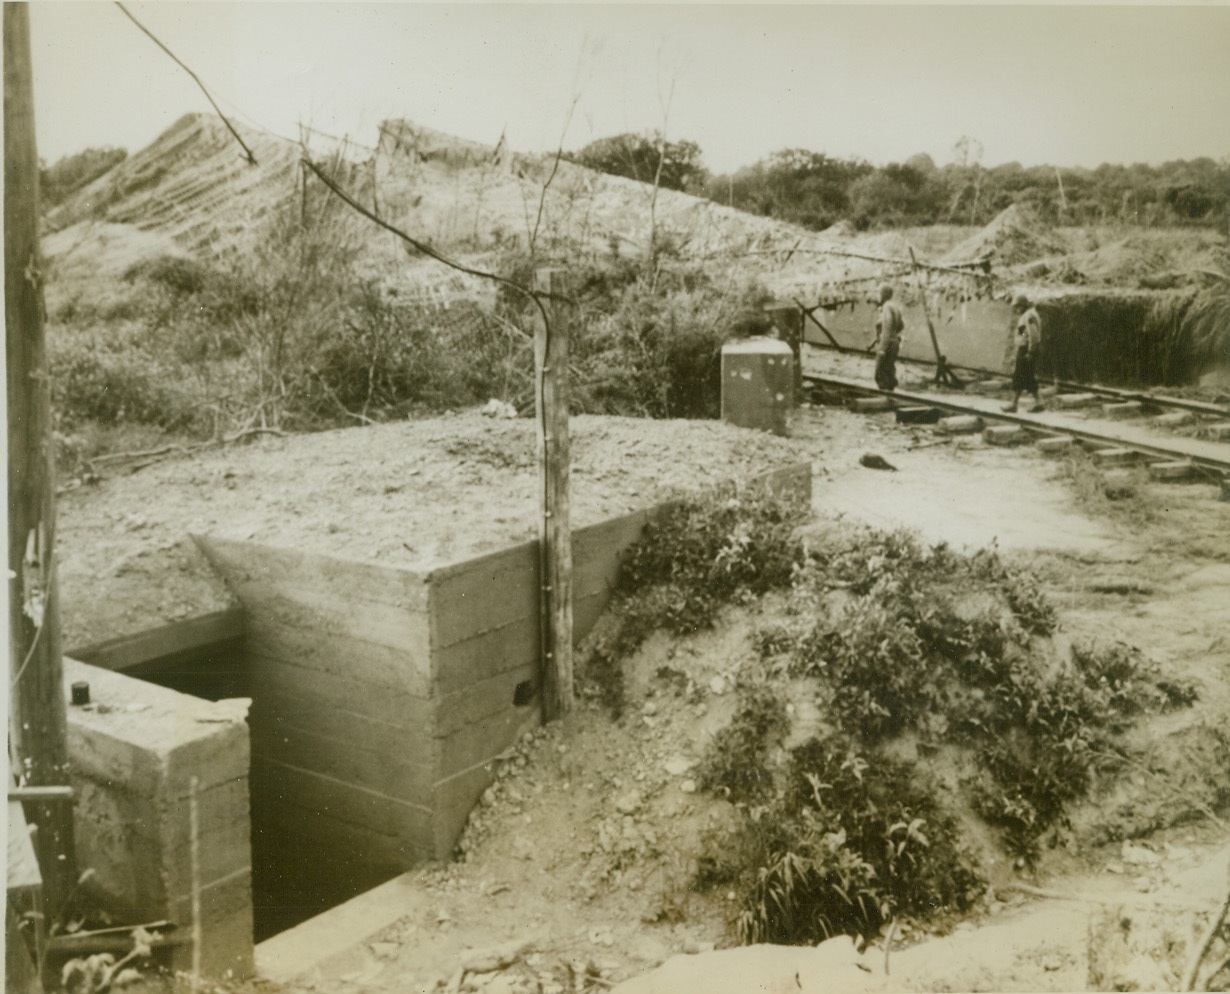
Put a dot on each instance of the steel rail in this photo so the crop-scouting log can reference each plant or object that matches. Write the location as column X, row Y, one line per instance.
column 1071, row 386
column 1188, row 450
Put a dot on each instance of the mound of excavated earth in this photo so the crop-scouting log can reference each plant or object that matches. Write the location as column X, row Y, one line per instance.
column 415, row 493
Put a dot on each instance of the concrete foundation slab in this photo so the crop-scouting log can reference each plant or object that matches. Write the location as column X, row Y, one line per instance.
column 1115, row 457
column 962, row 424
column 1056, row 446
column 143, row 757
column 1067, row 401
column 1005, row 435
column 1174, row 419
column 1170, row 470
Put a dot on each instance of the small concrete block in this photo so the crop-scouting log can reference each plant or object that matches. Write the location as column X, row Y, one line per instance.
column 1129, row 409
column 1119, row 483
column 1066, row 401
column 1056, row 445
column 1170, row 470
column 917, row 415
column 870, row 405
column 1114, row 457
column 1174, row 419
column 962, row 424
column 1004, row 435
column 1219, row 432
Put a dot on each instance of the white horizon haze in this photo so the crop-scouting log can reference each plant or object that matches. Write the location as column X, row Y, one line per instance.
column 1057, row 85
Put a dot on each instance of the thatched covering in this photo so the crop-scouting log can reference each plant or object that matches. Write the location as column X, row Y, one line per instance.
column 1120, row 338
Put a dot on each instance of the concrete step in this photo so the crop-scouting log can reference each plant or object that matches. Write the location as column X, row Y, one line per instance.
column 1128, row 409
column 1115, row 457
column 1174, row 419
column 961, row 424
column 1056, row 445
column 1005, row 435
column 871, row 405
column 1170, row 470
column 1067, row 401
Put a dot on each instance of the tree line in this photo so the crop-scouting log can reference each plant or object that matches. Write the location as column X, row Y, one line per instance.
column 816, row 190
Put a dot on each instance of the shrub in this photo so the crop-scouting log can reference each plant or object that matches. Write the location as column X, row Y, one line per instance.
column 702, row 552
column 734, row 762
column 848, row 842
column 111, row 384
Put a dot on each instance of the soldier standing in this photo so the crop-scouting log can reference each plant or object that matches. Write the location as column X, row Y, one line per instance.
column 1028, row 342
column 889, row 326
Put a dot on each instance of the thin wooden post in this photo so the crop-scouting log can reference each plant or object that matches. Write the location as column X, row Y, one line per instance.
column 943, row 375
column 555, row 527
column 38, row 737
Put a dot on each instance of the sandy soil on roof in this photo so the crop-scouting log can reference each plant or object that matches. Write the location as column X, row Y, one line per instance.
column 414, row 493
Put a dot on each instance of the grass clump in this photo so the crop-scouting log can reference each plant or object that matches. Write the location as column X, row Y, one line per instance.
column 849, row 841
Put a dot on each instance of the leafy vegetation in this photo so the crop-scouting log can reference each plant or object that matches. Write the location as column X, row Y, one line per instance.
column 647, row 157
column 295, row 334
column 908, row 651
column 698, row 555
column 817, row 190
column 59, row 181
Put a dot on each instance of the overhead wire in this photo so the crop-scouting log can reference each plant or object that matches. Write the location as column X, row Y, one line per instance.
column 195, row 78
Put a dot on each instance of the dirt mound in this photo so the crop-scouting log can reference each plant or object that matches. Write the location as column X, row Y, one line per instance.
column 1017, row 235
column 191, row 184
column 191, row 191
column 1152, row 259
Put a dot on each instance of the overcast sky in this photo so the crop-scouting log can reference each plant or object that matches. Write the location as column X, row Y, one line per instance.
column 1036, row 84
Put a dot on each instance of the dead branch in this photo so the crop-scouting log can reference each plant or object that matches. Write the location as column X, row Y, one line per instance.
column 1202, row 950
column 1059, row 895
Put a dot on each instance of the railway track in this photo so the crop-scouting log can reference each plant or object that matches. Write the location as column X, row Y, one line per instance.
column 1199, row 408
column 1113, row 442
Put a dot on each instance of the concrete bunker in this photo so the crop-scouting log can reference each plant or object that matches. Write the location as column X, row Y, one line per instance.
column 381, row 697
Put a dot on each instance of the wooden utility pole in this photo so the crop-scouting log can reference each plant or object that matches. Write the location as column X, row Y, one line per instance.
column 38, row 737
column 555, row 527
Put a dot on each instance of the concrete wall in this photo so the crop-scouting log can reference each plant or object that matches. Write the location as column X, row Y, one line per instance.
column 135, row 751
column 343, row 724
column 381, row 695
column 485, row 640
